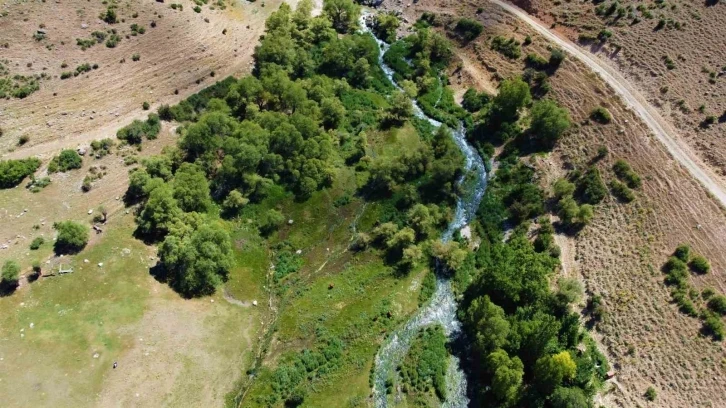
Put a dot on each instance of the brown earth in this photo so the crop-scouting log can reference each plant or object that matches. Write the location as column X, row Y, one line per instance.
column 648, row 341
column 179, row 54
column 638, row 49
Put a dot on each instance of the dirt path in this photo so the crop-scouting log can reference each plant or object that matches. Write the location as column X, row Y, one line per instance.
column 633, row 99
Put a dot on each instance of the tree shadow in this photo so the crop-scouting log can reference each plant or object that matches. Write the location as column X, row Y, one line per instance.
column 8, row 288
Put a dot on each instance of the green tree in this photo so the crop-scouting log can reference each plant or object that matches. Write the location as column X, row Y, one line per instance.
column 569, row 397
column 513, row 95
column 563, row 188
column 551, row 371
column 198, row 262
column 159, row 213
column 548, row 122
column 490, row 324
column 10, row 275
column 191, row 188
column 332, row 111
column 68, row 159
column 72, row 237
column 361, row 73
column 401, row 108
column 385, row 27
column 270, row 221
column 234, row 202
column 507, row 376
column 718, row 304
column 343, row 14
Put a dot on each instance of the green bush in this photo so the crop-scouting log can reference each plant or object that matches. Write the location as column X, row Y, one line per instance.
column 621, row 191
column 137, row 130
column 10, row 275
column 37, row 242
column 590, row 186
column 509, row 48
column 650, row 394
column 109, row 15
column 713, row 326
column 468, row 29
column 601, row 115
column 718, row 304
column 536, row 61
column 700, row 264
column 683, row 252
column 625, row 173
column 72, row 237
column 68, row 159
column 12, row 172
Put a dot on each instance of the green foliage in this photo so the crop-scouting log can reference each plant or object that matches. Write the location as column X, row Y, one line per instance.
column 536, row 61
column 621, row 191
column 113, row 40
column 625, row 173
column 506, row 376
column 9, row 276
column 551, row 371
column 509, row 48
column 385, row 26
column 601, row 115
column 191, row 188
column 109, row 15
column 650, row 394
column 683, row 252
column 198, row 259
column 512, row 97
column 473, row 101
column 68, row 159
column 718, row 304
column 72, row 237
column 713, row 326
column 700, row 264
column 37, row 242
column 569, row 397
column 286, row 263
column 425, row 364
column 137, row 130
column 590, row 187
column 343, row 14
column 548, row 122
column 468, row 29
column 270, row 221
column 13, row 172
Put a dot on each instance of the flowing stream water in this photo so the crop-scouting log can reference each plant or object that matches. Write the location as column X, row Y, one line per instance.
column 441, row 309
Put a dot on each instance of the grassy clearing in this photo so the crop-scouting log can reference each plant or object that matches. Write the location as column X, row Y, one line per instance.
column 104, row 312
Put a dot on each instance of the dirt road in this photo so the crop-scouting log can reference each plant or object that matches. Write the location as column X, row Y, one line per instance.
column 633, row 99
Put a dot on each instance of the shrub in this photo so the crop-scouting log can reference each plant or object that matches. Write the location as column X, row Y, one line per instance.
column 713, row 326
column 37, row 242
column 468, row 29
column 135, row 57
column 718, row 304
column 109, row 16
column 683, row 252
column 604, row 35
column 700, row 264
column 621, row 191
column 625, row 173
column 536, row 61
column 650, row 394
column 12, row 172
column 590, row 186
column 113, row 40
column 509, row 48
column 556, row 57
column 137, row 130
column 68, row 159
column 601, row 115
column 197, row 9
column 10, row 275
column 270, row 221
column 23, row 140
column 72, row 237
column 145, row 105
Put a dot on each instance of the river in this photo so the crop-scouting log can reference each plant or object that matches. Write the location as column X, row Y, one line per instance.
column 441, row 309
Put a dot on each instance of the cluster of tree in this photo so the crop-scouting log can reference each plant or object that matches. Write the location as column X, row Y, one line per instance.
column 68, row 159
column 571, row 214
column 707, row 306
column 509, row 48
column 310, row 98
column 13, row 172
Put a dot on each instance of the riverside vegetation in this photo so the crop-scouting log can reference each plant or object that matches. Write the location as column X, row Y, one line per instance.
column 318, row 131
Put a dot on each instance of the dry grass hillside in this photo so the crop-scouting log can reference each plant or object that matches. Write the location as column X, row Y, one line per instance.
column 619, row 256
column 177, row 57
column 645, row 37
